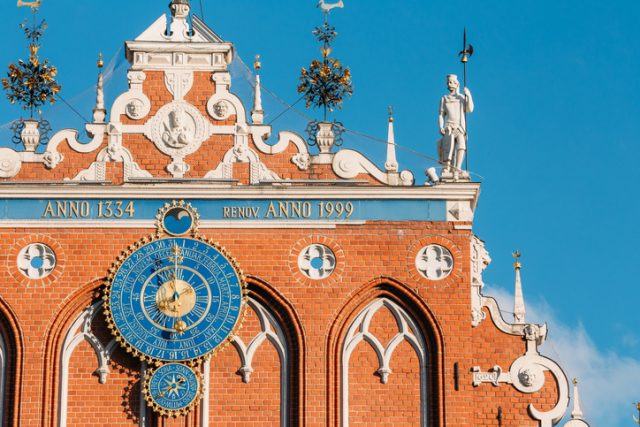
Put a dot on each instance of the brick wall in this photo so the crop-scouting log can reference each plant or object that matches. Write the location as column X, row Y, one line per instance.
column 377, row 261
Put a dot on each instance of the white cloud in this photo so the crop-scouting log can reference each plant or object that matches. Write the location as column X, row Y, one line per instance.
column 609, row 382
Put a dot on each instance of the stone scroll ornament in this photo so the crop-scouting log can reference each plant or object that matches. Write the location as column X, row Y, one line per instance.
column 173, row 300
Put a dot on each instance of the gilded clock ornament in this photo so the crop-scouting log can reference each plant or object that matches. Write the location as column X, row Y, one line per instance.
column 173, row 389
column 175, row 299
column 178, row 218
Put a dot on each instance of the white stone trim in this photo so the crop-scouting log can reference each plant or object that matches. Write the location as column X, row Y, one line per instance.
column 3, row 374
column 349, row 163
column 139, row 224
column 270, row 330
column 359, row 331
column 80, row 331
column 480, row 260
column 209, row 191
column 204, row 405
column 526, row 374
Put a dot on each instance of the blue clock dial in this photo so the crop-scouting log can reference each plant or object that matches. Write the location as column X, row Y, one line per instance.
column 175, row 299
column 173, row 389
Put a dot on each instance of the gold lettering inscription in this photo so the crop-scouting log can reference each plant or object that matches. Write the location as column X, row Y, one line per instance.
column 77, row 209
column 241, row 212
column 296, row 210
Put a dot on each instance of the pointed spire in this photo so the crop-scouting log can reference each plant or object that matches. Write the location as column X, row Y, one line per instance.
column 576, row 414
column 100, row 112
column 391, row 165
column 519, row 311
column 257, row 114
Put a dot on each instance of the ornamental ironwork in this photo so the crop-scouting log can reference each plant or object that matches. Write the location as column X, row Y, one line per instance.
column 314, row 127
column 326, row 82
column 32, row 83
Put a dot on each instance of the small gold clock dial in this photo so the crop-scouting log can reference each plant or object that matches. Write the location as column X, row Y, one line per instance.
column 175, row 298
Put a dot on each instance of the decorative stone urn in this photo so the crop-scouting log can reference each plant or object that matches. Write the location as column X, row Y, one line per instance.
column 325, row 137
column 30, row 135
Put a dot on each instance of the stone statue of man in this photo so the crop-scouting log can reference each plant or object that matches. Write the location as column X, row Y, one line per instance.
column 453, row 126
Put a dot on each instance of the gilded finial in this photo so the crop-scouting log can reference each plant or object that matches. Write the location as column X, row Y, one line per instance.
column 390, row 113
column 257, row 65
column 517, row 265
column 100, row 62
column 575, row 381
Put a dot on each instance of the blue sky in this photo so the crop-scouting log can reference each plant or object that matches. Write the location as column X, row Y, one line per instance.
column 553, row 138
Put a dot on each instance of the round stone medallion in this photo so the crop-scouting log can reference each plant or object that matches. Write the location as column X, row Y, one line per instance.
column 434, row 262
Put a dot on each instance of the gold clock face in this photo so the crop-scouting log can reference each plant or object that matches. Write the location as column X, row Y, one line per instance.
column 175, row 298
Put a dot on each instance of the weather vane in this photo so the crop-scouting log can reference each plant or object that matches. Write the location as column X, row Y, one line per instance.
column 326, row 8
column 35, row 4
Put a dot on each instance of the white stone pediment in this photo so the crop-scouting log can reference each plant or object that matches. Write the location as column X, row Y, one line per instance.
column 157, row 32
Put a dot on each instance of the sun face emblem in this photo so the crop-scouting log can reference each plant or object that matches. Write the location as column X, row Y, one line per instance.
column 174, row 386
column 173, row 389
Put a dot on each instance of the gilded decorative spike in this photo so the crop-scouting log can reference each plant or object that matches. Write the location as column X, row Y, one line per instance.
column 32, row 83
column 326, row 82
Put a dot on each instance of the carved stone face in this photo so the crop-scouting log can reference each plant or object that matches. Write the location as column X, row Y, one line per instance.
column 452, row 83
column 221, row 109
column 134, row 109
column 176, row 119
column 527, row 378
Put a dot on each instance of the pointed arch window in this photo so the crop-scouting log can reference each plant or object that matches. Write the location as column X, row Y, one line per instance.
column 407, row 330
column 271, row 331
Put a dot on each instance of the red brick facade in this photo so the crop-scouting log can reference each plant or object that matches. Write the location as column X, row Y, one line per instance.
column 309, row 320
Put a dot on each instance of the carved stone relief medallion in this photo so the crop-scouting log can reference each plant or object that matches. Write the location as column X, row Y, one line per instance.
column 135, row 109
column 178, row 129
column 222, row 110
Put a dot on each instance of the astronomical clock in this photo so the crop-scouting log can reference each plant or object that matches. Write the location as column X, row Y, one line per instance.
column 173, row 299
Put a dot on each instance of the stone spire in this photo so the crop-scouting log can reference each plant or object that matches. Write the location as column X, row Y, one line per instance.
column 100, row 112
column 257, row 114
column 519, row 311
column 576, row 414
column 391, row 165
column 577, row 419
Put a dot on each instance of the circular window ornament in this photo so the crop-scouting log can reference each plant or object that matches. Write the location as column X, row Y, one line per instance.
column 36, row 261
column 434, row 262
column 317, row 262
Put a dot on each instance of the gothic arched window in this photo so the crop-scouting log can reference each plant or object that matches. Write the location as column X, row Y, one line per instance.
column 384, row 366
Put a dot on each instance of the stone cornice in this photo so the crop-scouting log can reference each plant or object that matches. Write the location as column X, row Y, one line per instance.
column 450, row 192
